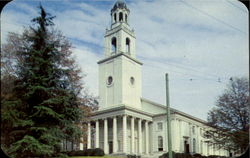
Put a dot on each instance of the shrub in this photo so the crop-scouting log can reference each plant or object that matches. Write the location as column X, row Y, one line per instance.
column 197, row 155
column 132, row 156
column 80, row 153
column 178, row 155
column 70, row 153
column 87, row 152
column 165, row 155
column 98, row 152
column 182, row 155
column 212, row 156
column 60, row 155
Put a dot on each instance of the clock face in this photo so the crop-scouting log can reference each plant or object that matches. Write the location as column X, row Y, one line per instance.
column 132, row 80
column 109, row 80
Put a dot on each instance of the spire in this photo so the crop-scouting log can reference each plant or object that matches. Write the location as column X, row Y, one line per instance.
column 119, row 14
column 119, row 4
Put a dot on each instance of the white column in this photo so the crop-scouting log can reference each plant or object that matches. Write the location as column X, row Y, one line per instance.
column 124, row 133
column 123, row 16
column 106, row 136
column 112, row 18
column 81, row 144
column 117, row 16
column 174, row 136
column 178, row 142
column 114, row 135
column 97, row 134
column 132, row 135
column 198, row 146
column 147, row 137
column 139, row 137
column 89, row 136
column 181, row 137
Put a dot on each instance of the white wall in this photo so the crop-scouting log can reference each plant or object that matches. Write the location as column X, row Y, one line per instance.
column 151, row 108
column 121, row 91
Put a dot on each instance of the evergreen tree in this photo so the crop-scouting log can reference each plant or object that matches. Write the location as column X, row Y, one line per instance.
column 44, row 106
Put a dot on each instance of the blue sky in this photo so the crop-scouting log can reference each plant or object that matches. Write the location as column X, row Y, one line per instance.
column 198, row 42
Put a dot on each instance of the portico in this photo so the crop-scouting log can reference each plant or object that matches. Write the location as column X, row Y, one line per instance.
column 120, row 133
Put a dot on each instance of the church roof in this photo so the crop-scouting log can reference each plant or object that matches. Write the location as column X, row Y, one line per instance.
column 173, row 111
column 119, row 4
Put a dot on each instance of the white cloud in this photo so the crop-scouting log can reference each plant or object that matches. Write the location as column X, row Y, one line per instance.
column 87, row 60
column 196, row 42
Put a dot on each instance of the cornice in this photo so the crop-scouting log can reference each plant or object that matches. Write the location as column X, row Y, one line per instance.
column 118, row 28
column 117, row 55
column 121, row 107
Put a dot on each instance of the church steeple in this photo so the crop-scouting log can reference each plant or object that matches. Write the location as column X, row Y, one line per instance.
column 119, row 13
column 120, row 71
column 120, row 38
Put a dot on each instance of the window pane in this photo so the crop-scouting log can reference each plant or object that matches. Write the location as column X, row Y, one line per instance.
column 159, row 126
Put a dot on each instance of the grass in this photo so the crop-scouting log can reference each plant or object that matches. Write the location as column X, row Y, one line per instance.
column 92, row 157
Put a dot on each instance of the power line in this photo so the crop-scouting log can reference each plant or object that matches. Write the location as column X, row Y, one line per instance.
column 236, row 6
column 191, row 69
column 181, row 66
column 213, row 17
column 192, row 77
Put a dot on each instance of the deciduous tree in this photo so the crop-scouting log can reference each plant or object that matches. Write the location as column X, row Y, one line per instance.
column 230, row 117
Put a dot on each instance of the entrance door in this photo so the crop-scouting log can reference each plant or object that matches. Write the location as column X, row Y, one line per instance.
column 110, row 147
column 186, row 147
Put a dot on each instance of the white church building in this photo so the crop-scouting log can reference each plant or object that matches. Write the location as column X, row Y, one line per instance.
column 126, row 123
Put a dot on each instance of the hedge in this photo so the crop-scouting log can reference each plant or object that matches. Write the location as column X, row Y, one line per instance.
column 87, row 152
column 186, row 155
column 133, row 156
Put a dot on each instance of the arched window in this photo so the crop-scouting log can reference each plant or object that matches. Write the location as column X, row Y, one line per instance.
column 160, row 143
column 194, row 145
column 127, row 45
column 115, row 17
column 113, row 43
column 126, row 17
column 120, row 16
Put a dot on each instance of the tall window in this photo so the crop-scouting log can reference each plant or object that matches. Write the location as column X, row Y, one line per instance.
column 115, row 17
column 194, row 145
column 193, row 129
column 120, row 16
column 160, row 143
column 113, row 43
column 127, row 45
column 159, row 126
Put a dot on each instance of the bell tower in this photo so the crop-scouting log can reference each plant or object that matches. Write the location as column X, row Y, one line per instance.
column 120, row 38
column 119, row 71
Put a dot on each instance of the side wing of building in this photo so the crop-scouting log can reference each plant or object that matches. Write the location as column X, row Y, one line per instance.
column 187, row 131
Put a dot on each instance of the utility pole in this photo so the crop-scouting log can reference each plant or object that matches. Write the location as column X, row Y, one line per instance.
column 170, row 155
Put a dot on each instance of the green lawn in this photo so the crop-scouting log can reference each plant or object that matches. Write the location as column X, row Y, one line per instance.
column 92, row 157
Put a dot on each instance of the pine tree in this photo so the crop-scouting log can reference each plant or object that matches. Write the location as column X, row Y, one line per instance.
column 43, row 108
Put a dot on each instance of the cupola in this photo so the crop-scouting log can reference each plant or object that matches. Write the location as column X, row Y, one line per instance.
column 119, row 12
